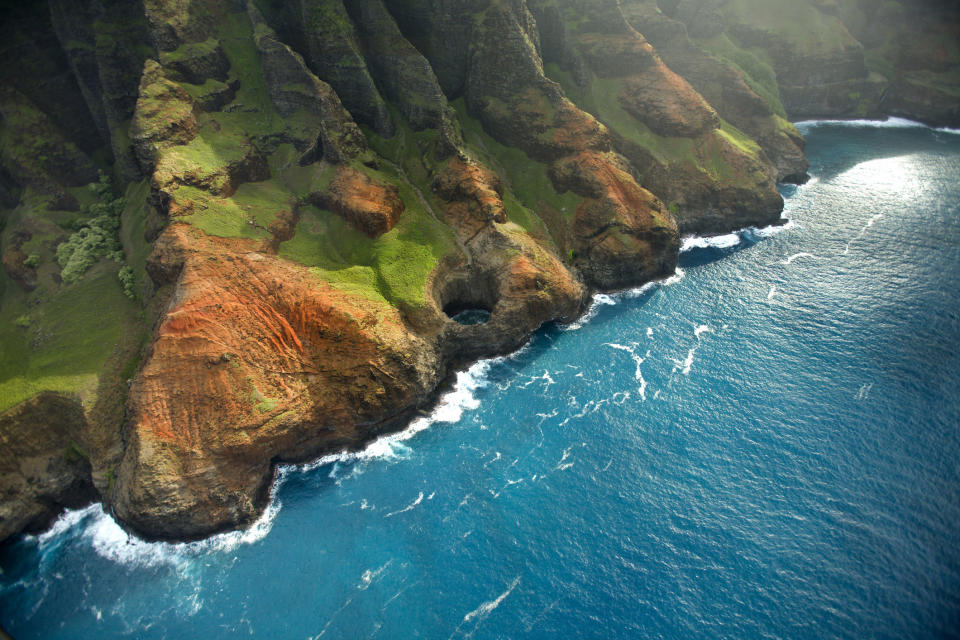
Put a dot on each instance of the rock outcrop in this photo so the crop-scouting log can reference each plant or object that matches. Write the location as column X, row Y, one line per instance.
column 314, row 188
column 43, row 469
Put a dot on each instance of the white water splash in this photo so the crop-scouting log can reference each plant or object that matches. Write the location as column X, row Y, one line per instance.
column 773, row 292
column 599, row 300
column 409, row 507
column 486, row 608
column 774, row 229
column 797, row 256
column 610, row 299
column 110, row 541
column 684, row 366
column 873, row 219
column 638, row 361
column 890, row 123
column 369, row 576
column 715, row 242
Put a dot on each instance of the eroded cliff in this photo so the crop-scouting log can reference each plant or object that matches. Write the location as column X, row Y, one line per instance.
column 235, row 232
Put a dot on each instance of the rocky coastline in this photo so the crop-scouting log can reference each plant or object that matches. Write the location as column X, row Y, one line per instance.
column 311, row 190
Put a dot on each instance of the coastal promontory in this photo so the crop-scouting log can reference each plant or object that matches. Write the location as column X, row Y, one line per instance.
column 236, row 234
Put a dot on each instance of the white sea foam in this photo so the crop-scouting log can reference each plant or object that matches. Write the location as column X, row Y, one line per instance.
column 484, row 609
column 733, row 239
column 716, row 242
column 599, row 300
column 449, row 409
column 889, row 123
column 700, row 330
column 369, row 576
column 611, row 299
column 638, row 361
column 684, row 366
column 773, row 292
column 677, row 276
column 797, row 256
column 409, row 507
column 110, row 541
column 774, row 229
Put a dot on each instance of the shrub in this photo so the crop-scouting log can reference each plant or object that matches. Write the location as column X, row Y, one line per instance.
column 128, row 282
column 97, row 237
column 32, row 261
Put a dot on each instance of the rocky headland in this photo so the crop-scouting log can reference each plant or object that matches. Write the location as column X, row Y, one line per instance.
column 234, row 234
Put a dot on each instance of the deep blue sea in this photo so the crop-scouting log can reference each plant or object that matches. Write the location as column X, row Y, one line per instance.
column 766, row 445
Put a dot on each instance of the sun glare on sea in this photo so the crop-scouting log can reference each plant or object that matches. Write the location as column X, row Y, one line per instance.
column 893, row 175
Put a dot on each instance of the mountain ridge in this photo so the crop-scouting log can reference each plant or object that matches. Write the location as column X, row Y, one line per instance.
column 311, row 189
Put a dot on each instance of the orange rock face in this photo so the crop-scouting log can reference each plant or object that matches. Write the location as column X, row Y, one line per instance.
column 255, row 361
column 370, row 206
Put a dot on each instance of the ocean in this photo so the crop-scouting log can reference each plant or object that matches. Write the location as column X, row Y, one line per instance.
column 765, row 445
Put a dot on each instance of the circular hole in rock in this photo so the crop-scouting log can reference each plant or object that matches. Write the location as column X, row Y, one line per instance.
column 471, row 316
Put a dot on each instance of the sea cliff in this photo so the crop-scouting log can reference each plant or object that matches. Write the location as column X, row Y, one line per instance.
column 235, row 233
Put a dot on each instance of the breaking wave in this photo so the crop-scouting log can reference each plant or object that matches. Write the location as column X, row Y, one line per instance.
column 890, row 123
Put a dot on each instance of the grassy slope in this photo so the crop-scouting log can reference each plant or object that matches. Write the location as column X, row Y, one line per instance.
column 393, row 268
column 529, row 197
column 600, row 99
column 60, row 339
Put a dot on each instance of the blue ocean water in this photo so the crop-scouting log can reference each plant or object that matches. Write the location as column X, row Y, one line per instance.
column 767, row 445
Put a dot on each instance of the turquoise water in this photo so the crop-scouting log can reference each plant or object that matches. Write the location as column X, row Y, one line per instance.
column 764, row 446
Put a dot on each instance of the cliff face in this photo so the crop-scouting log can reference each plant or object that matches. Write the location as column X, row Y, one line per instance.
column 314, row 188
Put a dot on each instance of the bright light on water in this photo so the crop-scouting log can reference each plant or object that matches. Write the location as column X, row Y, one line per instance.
column 763, row 445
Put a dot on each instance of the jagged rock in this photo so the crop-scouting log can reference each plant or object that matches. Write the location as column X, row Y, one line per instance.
column 106, row 45
column 37, row 153
column 196, row 62
column 666, row 104
column 293, row 88
column 33, row 63
column 334, row 55
column 724, row 87
column 164, row 116
column 174, row 23
column 43, row 468
column 703, row 18
column 403, row 75
column 476, row 186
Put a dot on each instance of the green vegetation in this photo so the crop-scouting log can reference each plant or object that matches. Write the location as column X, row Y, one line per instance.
column 600, row 98
column 60, row 340
column 392, row 268
column 133, row 225
column 529, row 197
column 96, row 238
column 798, row 25
column 189, row 51
column 756, row 70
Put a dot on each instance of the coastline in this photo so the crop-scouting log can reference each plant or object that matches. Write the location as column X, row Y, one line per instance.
column 450, row 400
column 451, row 396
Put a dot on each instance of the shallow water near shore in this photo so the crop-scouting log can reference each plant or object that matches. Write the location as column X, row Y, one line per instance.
column 764, row 445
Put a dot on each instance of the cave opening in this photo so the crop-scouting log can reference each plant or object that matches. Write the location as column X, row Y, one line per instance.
column 468, row 317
